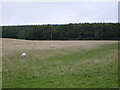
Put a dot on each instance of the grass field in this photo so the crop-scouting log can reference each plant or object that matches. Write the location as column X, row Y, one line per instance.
column 69, row 64
column 0, row 63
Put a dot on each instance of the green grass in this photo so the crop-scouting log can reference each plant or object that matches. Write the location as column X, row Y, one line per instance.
column 92, row 68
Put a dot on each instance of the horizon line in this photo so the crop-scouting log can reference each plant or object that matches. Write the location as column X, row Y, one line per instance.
column 54, row 23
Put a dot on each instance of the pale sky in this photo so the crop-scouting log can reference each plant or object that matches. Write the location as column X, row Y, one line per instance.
column 20, row 13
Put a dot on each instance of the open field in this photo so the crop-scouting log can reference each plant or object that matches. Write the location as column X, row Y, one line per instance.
column 69, row 64
column 0, row 63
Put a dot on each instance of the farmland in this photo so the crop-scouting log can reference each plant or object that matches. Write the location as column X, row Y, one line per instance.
column 0, row 74
column 69, row 64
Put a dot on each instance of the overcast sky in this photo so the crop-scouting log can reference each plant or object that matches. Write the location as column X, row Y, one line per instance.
column 58, row 13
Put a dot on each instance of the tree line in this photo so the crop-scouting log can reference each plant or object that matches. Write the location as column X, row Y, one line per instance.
column 83, row 31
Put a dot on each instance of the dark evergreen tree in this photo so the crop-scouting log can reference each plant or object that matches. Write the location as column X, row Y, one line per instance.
column 85, row 31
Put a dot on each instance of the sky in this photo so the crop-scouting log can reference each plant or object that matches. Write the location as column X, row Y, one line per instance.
column 27, row 13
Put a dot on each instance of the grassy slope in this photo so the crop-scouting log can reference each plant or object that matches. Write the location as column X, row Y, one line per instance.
column 94, row 68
